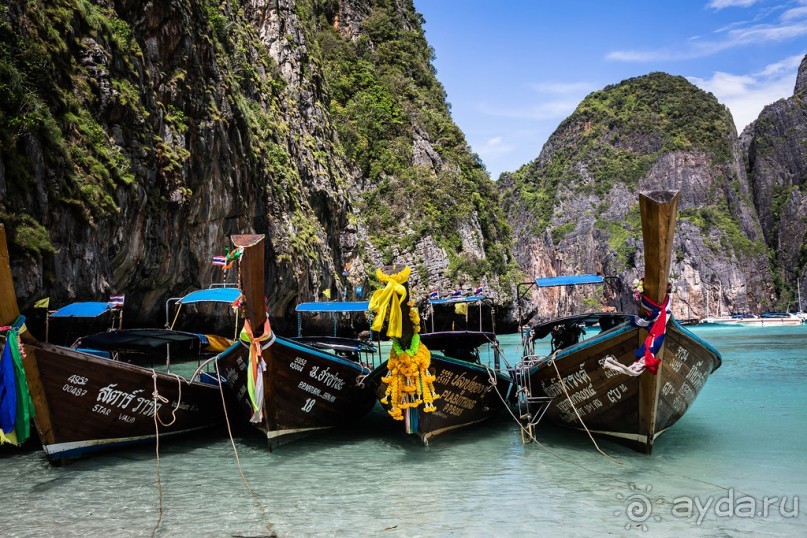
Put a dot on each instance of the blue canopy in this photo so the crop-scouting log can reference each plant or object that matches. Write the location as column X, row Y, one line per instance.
column 335, row 306
column 568, row 280
column 217, row 295
column 81, row 310
column 449, row 300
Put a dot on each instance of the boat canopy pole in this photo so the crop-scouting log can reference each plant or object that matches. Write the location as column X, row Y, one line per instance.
column 175, row 315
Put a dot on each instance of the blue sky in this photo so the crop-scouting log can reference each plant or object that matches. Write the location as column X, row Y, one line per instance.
column 513, row 70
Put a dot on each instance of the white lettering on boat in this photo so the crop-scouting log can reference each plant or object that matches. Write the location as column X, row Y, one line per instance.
column 126, row 418
column 568, row 414
column 101, row 410
column 681, row 356
column 667, row 389
column 571, row 381
column 316, row 391
column 615, row 394
column 686, row 392
column 330, row 380
column 75, row 391
column 77, row 380
column 146, row 407
column 113, row 397
column 298, row 364
column 696, row 376
column 565, row 405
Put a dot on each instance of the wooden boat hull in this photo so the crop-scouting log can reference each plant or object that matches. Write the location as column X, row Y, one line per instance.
column 467, row 396
column 607, row 401
column 85, row 404
column 305, row 390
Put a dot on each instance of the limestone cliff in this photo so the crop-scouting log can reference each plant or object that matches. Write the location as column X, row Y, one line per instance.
column 575, row 209
column 135, row 137
column 776, row 150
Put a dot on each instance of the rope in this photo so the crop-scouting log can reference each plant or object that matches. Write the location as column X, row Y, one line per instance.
column 529, row 433
column 563, row 386
column 157, row 421
column 235, row 449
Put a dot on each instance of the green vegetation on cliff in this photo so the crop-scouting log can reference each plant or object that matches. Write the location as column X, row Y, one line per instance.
column 385, row 98
column 616, row 135
column 51, row 130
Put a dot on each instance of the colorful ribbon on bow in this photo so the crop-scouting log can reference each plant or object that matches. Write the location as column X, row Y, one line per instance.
column 657, row 317
column 257, row 366
column 389, row 299
column 16, row 406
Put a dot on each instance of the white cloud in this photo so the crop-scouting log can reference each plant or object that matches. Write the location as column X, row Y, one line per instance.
column 795, row 13
column 720, row 4
column 494, row 147
column 791, row 24
column 746, row 95
column 787, row 65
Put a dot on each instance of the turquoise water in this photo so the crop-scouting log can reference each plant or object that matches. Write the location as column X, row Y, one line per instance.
column 742, row 441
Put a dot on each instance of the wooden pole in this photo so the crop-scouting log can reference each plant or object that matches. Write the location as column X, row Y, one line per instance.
column 251, row 279
column 658, row 210
column 8, row 298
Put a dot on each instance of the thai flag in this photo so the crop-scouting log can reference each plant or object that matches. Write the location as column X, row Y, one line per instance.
column 434, row 294
column 221, row 261
column 116, row 301
column 479, row 290
column 457, row 294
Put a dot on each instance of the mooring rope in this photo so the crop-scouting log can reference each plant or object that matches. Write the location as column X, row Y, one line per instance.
column 156, row 396
column 529, row 434
column 563, row 386
column 235, row 449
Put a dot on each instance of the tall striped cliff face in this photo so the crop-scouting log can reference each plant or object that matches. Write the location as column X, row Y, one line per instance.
column 575, row 208
column 136, row 137
column 776, row 158
column 158, row 130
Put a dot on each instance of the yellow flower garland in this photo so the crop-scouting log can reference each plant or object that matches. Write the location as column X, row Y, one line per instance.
column 409, row 382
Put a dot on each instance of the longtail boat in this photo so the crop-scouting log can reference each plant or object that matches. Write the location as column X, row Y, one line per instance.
column 433, row 382
column 636, row 378
column 84, row 404
column 287, row 389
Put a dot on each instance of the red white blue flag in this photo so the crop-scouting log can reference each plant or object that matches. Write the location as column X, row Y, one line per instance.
column 220, row 261
column 116, row 301
column 434, row 294
column 457, row 294
column 479, row 290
